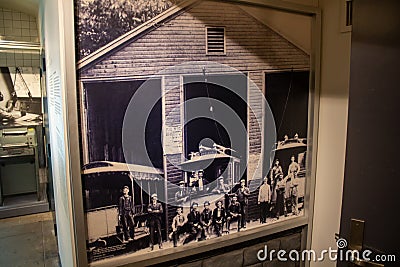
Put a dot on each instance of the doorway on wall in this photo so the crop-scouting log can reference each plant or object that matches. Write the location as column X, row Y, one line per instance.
column 207, row 122
column 107, row 103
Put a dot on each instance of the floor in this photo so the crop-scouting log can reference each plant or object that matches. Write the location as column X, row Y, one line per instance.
column 28, row 241
column 17, row 205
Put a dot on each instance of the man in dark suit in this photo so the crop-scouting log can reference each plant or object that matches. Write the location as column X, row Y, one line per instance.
column 155, row 210
column 243, row 194
column 178, row 225
column 206, row 220
column 234, row 213
column 219, row 218
column 193, row 223
column 125, row 215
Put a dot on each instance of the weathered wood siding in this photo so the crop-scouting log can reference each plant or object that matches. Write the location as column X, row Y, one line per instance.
column 171, row 90
column 250, row 45
column 255, row 126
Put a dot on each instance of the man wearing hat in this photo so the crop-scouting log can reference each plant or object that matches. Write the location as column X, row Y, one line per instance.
column 219, row 218
column 193, row 222
column 155, row 210
column 125, row 215
column 243, row 194
column 280, row 208
column 181, row 196
column 206, row 220
column 178, row 225
column 264, row 200
column 234, row 213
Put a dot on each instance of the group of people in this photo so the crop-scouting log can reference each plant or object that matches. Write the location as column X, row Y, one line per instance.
column 126, row 211
column 278, row 194
column 196, row 225
column 196, row 187
column 200, row 225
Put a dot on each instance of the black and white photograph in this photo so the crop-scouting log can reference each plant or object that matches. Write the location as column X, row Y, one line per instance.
column 194, row 123
column 20, row 97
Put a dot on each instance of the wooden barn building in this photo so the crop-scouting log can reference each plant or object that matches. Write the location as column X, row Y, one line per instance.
column 196, row 31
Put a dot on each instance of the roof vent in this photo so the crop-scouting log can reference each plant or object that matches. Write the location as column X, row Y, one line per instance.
column 215, row 40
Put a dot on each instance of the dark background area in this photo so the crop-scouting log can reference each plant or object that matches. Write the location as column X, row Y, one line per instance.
column 201, row 128
column 106, row 106
column 290, row 87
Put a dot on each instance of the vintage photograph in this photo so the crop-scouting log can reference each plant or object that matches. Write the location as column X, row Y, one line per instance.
column 20, row 97
column 177, row 143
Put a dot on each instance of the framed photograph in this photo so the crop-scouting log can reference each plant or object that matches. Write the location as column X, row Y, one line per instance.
column 196, row 123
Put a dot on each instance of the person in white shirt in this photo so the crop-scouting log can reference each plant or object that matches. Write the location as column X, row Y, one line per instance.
column 264, row 200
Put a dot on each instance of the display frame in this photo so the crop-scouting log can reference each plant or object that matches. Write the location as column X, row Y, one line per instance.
column 194, row 248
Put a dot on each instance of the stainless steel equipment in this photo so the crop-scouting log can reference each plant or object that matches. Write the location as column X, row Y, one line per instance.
column 19, row 171
column 17, row 142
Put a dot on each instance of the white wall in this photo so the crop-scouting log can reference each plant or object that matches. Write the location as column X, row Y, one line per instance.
column 335, row 71
column 54, row 43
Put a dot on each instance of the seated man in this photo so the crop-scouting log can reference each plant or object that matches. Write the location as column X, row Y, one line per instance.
column 181, row 195
column 206, row 220
column 194, row 181
column 178, row 226
column 193, row 224
column 234, row 213
column 221, row 187
column 219, row 218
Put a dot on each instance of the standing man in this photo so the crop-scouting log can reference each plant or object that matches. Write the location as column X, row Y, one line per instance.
column 206, row 220
column 295, row 196
column 294, row 167
column 292, row 197
column 275, row 172
column 125, row 215
column 280, row 208
column 264, row 199
column 155, row 210
column 243, row 194
column 178, row 224
column 293, row 170
column 201, row 181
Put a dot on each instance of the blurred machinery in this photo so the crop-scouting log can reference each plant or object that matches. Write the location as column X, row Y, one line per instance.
column 22, row 161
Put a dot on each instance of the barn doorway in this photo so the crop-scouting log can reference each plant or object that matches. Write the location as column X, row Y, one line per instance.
column 107, row 103
column 210, row 126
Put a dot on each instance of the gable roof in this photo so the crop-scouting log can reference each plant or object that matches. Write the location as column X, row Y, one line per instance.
column 93, row 57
